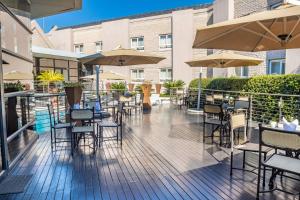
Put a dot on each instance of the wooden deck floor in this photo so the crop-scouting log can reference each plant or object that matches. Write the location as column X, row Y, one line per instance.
column 162, row 157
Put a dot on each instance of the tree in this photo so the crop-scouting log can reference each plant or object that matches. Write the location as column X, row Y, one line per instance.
column 48, row 77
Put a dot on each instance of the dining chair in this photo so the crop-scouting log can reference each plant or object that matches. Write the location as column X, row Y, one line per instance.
column 279, row 163
column 116, row 123
column 83, row 125
column 125, row 101
column 213, row 115
column 56, row 125
column 238, row 121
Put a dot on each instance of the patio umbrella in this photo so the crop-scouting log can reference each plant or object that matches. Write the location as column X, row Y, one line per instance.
column 222, row 60
column 106, row 76
column 17, row 75
column 268, row 30
column 121, row 57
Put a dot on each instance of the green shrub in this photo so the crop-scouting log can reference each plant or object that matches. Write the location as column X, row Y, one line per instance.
column 204, row 83
column 265, row 107
column 13, row 87
column 120, row 86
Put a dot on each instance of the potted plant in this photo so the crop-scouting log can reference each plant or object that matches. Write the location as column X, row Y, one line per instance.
column 73, row 92
column 118, row 88
column 11, row 107
column 49, row 77
column 146, row 88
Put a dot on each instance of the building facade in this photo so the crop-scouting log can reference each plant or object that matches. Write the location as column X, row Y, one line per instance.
column 170, row 34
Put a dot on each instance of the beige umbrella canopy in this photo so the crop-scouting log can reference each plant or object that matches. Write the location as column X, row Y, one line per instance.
column 122, row 57
column 267, row 30
column 17, row 75
column 106, row 76
column 224, row 60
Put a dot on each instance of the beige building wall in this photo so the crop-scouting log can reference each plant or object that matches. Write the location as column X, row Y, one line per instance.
column 181, row 24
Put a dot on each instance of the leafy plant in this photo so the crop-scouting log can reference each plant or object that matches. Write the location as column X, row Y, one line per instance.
column 48, row 77
column 73, row 84
column 178, row 84
column 119, row 86
column 13, row 87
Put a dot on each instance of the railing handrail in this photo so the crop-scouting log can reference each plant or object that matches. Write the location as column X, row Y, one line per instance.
column 250, row 93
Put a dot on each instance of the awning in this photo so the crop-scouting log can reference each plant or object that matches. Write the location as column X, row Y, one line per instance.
column 40, row 52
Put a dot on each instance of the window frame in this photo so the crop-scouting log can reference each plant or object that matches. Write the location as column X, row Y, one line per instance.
column 138, row 73
column 139, row 48
column 101, row 46
column 165, row 46
column 168, row 70
column 282, row 67
column 79, row 45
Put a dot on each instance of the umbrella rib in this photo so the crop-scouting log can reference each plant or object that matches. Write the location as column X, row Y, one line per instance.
column 293, row 29
column 295, row 37
column 222, row 34
column 260, row 34
column 268, row 30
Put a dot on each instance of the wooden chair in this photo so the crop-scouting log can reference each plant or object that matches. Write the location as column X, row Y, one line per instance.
column 238, row 121
column 116, row 122
column 54, row 125
column 279, row 163
column 213, row 115
column 83, row 125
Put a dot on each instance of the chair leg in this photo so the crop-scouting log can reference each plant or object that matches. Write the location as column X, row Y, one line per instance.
column 204, row 132
column 231, row 163
column 264, row 171
column 54, row 138
column 51, row 135
column 117, row 134
column 244, row 159
column 121, row 130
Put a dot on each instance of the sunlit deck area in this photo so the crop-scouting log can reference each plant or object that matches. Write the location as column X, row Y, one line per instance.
column 162, row 157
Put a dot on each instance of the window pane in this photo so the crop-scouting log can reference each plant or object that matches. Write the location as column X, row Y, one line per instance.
column 275, row 67
column 245, row 71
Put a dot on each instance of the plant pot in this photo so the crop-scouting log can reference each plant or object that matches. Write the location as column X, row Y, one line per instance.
column 108, row 86
column 130, row 87
column 158, row 88
column 11, row 112
column 73, row 95
column 146, row 88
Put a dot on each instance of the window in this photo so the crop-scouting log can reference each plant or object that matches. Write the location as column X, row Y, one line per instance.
column 99, row 46
column 137, row 43
column 137, row 74
column 78, row 48
column 242, row 71
column 276, row 66
column 165, row 41
column 165, row 74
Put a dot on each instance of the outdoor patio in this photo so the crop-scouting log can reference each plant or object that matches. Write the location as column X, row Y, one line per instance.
column 162, row 157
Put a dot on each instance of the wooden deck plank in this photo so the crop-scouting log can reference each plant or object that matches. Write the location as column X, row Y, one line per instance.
column 153, row 163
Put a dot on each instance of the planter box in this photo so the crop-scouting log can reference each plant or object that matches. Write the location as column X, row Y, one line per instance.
column 73, row 95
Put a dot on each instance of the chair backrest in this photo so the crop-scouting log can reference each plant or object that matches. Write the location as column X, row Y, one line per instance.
column 279, row 139
column 213, row 109
column 93, row 104
column 237, row 121
column 218, row 97
column 82, row 114
column 125, row 99
column 241, row 104
column 51, row 114
column 209, row 98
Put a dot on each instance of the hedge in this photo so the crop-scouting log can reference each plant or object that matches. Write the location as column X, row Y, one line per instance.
column 266, row 107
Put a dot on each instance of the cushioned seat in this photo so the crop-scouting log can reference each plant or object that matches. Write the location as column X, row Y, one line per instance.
column 252, row 147
column 61, row 125
column 108, row 124
column 214, row 121
column 82, row 129
column 284, row 163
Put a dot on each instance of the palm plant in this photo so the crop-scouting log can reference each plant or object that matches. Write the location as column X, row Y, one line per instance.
column 178, row 84
column 48, row 77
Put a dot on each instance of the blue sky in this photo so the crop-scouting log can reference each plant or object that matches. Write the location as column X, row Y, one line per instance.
column 94, row 10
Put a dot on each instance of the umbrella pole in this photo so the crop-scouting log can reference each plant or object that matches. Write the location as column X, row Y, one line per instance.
column 199, row 90
column 97, row 81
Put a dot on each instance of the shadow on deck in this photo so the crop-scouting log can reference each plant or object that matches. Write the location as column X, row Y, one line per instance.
column 162, row 157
